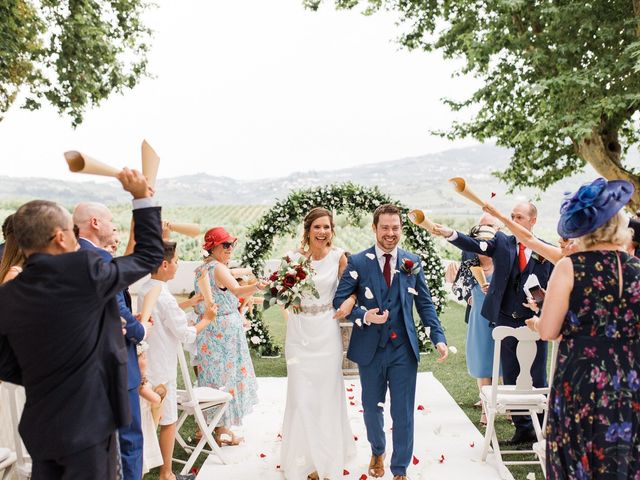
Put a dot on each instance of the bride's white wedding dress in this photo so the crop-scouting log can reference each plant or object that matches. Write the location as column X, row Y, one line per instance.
column 316, row 432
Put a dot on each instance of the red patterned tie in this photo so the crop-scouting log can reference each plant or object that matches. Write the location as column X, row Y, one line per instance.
column 522, row 258
column 386, row 271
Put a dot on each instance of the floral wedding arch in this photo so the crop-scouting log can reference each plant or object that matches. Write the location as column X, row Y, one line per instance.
column 354, row 200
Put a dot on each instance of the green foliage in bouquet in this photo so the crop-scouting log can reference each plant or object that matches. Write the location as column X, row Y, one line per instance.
column 356, row 201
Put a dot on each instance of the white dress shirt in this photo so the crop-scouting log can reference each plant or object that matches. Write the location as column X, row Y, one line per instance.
column 170, row 330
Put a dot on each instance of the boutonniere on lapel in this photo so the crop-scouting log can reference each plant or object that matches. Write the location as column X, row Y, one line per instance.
column 538, row 258
column 409, row 266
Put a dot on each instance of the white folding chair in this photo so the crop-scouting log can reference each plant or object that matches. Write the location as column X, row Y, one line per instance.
column 540, row 447
column 519, row 399
column 196, row 401
column 7, row 460
column 23, row 460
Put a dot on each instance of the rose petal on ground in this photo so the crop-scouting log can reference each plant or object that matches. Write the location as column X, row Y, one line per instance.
column 415, row 460
column 441, row 459
column 420, row 407
column 262, row 455
column 345, row 472
column 453, row 349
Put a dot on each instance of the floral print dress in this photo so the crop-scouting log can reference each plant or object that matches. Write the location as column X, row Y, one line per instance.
column 594, row 405
column 223, row 358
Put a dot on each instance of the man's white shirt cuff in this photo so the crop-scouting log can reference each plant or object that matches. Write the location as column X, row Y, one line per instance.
column 145, row 202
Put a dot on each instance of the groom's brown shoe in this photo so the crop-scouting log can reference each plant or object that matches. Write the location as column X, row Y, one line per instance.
column 376, row 466
column 400, row 477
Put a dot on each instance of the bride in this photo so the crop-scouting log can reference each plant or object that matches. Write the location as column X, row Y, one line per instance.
column 317, row 440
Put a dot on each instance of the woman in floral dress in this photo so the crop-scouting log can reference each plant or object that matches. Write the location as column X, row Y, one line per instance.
column 593, row 301
column 223, row 357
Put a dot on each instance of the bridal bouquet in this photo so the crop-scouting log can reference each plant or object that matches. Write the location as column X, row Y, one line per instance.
column 292, row 281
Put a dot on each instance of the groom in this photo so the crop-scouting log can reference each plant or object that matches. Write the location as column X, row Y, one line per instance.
column 386, row 281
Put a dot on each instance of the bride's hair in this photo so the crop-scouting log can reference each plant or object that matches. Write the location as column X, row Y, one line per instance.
column 312, row 216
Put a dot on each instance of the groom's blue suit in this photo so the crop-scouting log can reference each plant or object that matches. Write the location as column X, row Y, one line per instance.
column 387, row 355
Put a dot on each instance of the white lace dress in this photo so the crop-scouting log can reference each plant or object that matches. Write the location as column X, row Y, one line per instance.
column 316, row 433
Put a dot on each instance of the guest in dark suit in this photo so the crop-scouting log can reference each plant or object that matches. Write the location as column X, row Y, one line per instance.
column 61, row 336
column 505, row 301
column 97, row 232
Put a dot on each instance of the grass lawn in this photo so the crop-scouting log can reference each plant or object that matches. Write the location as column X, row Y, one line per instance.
column 453, row 375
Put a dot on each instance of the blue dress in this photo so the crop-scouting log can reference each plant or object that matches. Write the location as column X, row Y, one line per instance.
column 223, row 357
column 479, row 339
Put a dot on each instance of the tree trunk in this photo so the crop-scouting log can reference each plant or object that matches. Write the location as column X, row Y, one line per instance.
column 602, row 151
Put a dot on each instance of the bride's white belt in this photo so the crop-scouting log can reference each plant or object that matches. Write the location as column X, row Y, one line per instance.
column 315, row 309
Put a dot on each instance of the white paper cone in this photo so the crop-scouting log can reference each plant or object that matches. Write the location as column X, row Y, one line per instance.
column 149, row 302
column 81, row 163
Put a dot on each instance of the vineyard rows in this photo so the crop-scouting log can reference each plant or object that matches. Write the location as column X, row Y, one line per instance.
column 237, row 219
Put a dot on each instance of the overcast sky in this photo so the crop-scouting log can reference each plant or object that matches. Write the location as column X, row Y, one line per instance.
column 252, row 89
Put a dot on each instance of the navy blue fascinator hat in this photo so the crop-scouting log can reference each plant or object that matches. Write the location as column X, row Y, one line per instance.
column 592, row 206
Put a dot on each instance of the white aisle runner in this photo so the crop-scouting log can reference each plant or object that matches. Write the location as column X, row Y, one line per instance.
column 447, row 445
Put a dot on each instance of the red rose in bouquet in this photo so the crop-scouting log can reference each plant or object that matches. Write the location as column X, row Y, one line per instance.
column 290, row 283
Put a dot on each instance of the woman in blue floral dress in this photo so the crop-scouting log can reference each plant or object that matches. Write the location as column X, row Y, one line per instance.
column 223, row 358
column 593, row 301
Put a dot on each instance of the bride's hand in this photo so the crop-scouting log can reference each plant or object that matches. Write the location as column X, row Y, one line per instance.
column 345, row 309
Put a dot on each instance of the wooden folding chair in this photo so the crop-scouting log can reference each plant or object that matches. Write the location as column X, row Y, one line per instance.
column 196, row 401
column 519, row 399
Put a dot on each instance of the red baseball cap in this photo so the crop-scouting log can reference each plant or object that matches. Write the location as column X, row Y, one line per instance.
column 215, row 236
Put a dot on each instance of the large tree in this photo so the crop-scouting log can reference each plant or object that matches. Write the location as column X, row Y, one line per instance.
column 560, row 79
column 71, row 53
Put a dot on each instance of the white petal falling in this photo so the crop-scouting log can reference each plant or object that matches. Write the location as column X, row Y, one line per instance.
column 370, row 256
column 353, row 274
column 483, row 246
column 358, row 322
column 453, row 349
column 412, row 291
column 368, row 294
column 381, row 404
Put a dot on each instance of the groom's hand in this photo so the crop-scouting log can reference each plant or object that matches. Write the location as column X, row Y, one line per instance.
column 442, row 231
column 372, row 316
column 443, row 351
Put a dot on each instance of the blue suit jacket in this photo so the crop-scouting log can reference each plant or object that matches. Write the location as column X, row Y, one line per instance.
column 365, row 338
column 503, row 249
column 61, row 337
column 135, row 330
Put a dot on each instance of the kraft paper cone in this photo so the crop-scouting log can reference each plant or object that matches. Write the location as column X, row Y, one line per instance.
column 80, row 163
column 478, row 274
column 150, row 163
column 461, row 187
column 205, row 289
column 418, row 217
column 190, row 229
column 149, row 302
